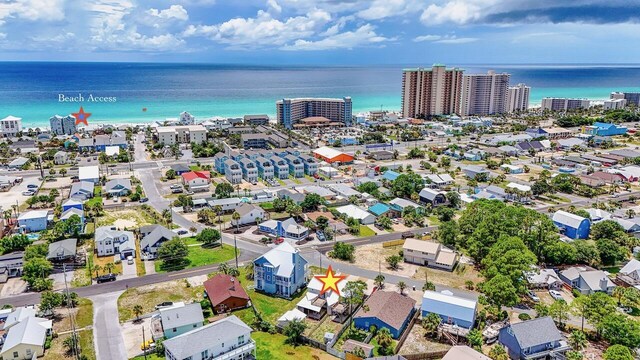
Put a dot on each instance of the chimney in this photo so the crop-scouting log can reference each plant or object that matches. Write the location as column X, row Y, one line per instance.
column 604, row 283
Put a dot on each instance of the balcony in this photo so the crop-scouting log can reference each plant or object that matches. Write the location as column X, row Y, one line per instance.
column 249, row 348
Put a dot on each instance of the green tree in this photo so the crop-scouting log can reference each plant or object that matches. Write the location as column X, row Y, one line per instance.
column 50, row 300
column 402, row 286
column 209, row 237
column 578, row 340
column 598, row 305
column 385, row 342
column 617, row 352
column 509, row 256
column 236, row 219
column 170, row 174
column 312, row 201
column 500, row 291
column 36, row 271
column 137, row 311
column 475, row 339
column 173, row 253
column 573, row 355
column 610, row 252
column 498, row 353
column 223, row 190
column 447, row 233
column 354, row 294
column 293, row 331
column 618, row 329
column 379, row 281
column 394, row 261
column 384, row 222
column 343, row 251
column 431, row 322
column 559, row 311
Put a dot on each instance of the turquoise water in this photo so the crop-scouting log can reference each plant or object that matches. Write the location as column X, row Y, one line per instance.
column 31, row 90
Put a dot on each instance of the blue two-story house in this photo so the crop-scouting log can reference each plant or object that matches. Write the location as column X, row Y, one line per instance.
column 453, row 310
column 572, row 225
column 282, row 271
column 310, row 164
column 533, row 339
column 218, row 162
column 72, row 204
column 296, row 167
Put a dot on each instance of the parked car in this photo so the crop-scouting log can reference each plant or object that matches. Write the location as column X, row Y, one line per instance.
column 130, row 260
column 555, row 294
column 176, row 186
column 147, row 345
column 32, row 186
column 106, row 278
column 533, row 296
column 163, row 305
column 320, row 235
column 144, row 200
column 407, row 234
column 182, row 232
column 177, row 191
column 279, row 241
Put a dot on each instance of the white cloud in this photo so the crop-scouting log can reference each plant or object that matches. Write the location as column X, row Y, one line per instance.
column 3, row 36
column 273, row 4
column 363, row 36
column 173, row 12
column 59, row 38
column 33, row 10
column 456, row 11
column 263, row 30
column 445, row 39
column 380, row 9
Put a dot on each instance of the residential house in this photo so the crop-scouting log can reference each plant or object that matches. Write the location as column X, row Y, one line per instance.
column 34, row 220
column 429, row 253
column 265, row 168
column 152, row 237
column 232, row 171
column 630, row 273
column 280, row 166
column 453, row 310
column 72, row 203
column 310, row 164
column 326, row 193
column 586, row 280
column 89, row 173
column 345, row 191
column 60, row 158
column 26, row 338
column 110, row 241
column 71, row 212
column 289, row 316
column 281, row 271
column 177, row 320
column 572, row 225
column 249, row 214
column 400, row 204
column 224, row 339
column 358, row 213
column 433, row 197
column 218, row 162
column 82, row 190
column 62, row 250
column 18, row 163
column 439, row 180
column 117, row 187
column 197, row 180
column 249, row 170
column 225, row 293
column 284, row 228
column 512, row 169
column 180, row 169
column 327, row 172
column 463, row 352
column 605, row 129
column 381, row 155
column 533, row 339
column 11, row 265
column 543, row 279
column 386, row 309
column 380, row 209
column 316, row 305
column 475, row 171
column 296, row 167
column 390, row 175
column 227, row 205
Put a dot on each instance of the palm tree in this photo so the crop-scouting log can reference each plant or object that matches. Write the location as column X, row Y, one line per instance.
column 402, row 285
column 379, row 281
column 431, row 323
column 108, row 267
column 137, row 311
column 249, row 269
column 236, row 218
column 224, row 268
column 97, row 269
column 630, row 213
column 167, row 215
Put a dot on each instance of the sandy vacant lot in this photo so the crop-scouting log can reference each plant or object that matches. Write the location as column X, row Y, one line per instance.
column 373, row 256
column 417, row 342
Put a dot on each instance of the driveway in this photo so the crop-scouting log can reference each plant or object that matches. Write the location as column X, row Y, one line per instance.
column 128, row 270
column 107, row 333
column 13, row 286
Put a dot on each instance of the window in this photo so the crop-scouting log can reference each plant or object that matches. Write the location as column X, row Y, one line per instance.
column 15, row 354
column 195, row 325
column 205, row 354
column 28, row 352
column 174, row 329
column 240, row 339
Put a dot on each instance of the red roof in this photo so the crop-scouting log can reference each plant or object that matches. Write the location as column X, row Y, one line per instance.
column 222, row 287
column 191, row 175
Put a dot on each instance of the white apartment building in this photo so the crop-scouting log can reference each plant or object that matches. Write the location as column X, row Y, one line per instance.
column 614, row 104
column 484, row 94
column 518, row 98
column 564, row 104
column 10, row 126
column 170, row 135
column 63, row 125
column 186, row 118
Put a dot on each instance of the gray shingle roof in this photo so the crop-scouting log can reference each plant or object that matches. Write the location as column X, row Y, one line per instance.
column 536, row 332
column 183, row 315
column 160, row 233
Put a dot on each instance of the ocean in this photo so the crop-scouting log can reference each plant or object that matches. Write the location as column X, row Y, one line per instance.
column 144, row 92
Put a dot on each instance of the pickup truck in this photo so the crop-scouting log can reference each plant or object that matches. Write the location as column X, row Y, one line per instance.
column 106, row 278
column 407, row 234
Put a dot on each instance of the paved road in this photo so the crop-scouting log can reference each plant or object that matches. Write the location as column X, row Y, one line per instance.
column 107, row 335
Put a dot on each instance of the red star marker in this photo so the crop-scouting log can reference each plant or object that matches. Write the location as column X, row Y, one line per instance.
column 330, row 281
column 81, row 117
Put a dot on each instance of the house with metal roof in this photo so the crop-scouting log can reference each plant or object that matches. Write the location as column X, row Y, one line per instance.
column 453, row 310
column 462, row 352
column 117, row 187
column 429, row 253
column 34, row 220
column 81, row 190
column 572, row 225
column 358, row 213
column 11, row 266
column 533, row 339
column 390, row 175
column 177, row 320
column 229, row 338
column 281, row 271
column 400, row 204
column 433, row 197
column 630, row 273
column 249, row 214
column 380, row 209
column 89, row 173
column 26, row 338
column 386, row 309
column 288, row 228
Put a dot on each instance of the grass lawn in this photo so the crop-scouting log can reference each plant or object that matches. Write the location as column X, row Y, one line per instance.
column 93, row 201
column 85, row 313
column 376, row 350
column 152, row 356
column 140, row 269
column 195, row 168
column 58, row 352
column 612, row 269
column 366, row 231
column 199, row 256
column 267, row 205
column 103, row 260
column 151, row 295
column 272, row 346
column 82, row 313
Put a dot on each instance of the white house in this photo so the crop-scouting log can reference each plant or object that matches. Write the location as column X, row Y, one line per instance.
column 358, row 213
column 197, row 180
column 248, row 214
column 111, row 241
column 60, row 158
column 89, row 173
column 26, row 337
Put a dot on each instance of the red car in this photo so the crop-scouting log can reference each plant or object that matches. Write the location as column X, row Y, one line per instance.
column 279, row 241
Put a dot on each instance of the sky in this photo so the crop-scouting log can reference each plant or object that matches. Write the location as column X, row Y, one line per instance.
column 313, row 32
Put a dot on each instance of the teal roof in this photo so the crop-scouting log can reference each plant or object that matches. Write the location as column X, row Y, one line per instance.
column 390, row 175
column 379, row 209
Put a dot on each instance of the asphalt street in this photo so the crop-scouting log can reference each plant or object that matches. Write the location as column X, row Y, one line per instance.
column 107, row 335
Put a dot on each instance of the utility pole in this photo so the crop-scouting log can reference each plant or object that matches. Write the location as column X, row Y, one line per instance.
column 144, row 343
column 235, row 249
column 76, row 353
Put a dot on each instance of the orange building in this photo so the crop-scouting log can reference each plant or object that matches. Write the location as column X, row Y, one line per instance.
column 332, row 155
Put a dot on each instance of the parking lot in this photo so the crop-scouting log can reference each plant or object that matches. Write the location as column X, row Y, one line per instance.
column 14, row 195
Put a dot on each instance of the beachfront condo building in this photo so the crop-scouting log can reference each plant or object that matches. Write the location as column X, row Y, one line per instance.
column 170, row 135
column 63, row 125
column 290, row 112
column 614, row 104
column 10, row 126
column 484, row 94
column 434, row 91
column 633, row 98
column 518, row 98
column 564, row 104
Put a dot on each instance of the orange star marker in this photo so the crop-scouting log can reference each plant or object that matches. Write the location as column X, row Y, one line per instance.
column 81, row 117
column 330, row 281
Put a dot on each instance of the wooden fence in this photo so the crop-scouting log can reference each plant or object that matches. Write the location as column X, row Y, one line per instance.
column 407, row 330
column 426, row 356
column 393, row 243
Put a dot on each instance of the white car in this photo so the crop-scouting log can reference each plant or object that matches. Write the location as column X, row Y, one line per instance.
column 130, row 260
column 556, row 294
column 533, row 296
column 28, row 193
